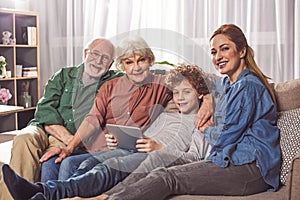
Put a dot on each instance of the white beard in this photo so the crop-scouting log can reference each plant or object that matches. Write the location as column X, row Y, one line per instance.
column 89, row 68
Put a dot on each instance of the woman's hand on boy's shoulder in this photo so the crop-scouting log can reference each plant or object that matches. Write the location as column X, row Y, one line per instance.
column 205, row 111
column 207, row 124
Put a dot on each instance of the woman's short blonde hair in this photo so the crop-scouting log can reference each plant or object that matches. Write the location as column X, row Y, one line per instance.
column 131, row 46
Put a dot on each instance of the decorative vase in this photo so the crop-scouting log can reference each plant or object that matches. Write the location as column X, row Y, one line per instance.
column 3, row 72
column 3, row 103
column 25, row 100
column 2, row 67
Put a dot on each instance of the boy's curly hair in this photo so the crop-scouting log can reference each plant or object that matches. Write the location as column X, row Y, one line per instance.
column 193, row 74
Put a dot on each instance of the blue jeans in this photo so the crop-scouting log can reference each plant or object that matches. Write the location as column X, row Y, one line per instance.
column 95, row 175
column 64, row 170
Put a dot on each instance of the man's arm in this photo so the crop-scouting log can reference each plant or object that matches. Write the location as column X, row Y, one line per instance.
column 59, row 132
column 46, row 111
column 91, row 124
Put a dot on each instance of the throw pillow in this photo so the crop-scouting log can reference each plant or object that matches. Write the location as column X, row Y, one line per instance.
column 289, row 126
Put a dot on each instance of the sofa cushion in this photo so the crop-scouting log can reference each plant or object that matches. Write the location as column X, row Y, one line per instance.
column 289, row 126
column 279, row 195
column 287, row 94
column 293, row 182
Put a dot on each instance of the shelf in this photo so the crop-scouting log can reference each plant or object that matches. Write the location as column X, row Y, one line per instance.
column 20, row 52
column 18, row 78
column 16, row 45
column 7, row 109
column 31, row 108
column 7, row 79
column 6, row 45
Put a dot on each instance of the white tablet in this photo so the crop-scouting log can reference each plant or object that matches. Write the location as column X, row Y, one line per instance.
column 126, row 135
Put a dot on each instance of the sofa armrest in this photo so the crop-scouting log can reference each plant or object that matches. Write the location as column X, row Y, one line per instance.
column 293, row 183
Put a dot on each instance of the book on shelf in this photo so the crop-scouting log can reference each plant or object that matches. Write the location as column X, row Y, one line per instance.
column 30, row 71
column 29, row 35
column 29, row 74
column 29, row 68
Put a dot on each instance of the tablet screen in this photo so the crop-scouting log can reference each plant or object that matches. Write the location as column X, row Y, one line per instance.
column 126, row 135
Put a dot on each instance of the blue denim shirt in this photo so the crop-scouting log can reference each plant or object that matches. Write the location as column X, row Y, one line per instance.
column 245, row 127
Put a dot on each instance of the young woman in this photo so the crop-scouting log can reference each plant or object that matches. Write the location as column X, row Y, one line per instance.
column 245, row 155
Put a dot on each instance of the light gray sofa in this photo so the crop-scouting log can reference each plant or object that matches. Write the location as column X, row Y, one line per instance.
column 288, row 97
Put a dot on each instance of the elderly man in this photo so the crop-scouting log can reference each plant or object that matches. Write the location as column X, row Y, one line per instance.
column 68, row 97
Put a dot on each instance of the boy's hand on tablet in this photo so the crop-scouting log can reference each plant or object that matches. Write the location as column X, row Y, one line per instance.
column 147, row 145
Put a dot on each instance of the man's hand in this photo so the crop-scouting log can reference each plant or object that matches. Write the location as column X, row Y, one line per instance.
column 50, row 153
column 147, row 145
column 111, row 141
column 205, row 111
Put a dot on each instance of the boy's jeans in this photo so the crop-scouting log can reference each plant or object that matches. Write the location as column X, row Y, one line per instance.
column 95, row 175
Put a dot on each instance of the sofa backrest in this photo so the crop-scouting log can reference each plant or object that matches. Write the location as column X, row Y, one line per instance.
column 287, row 95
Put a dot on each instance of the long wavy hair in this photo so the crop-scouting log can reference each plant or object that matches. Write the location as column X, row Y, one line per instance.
column 236, row 35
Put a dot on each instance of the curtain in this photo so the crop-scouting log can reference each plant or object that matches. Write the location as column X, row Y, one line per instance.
column 177, row 30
